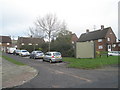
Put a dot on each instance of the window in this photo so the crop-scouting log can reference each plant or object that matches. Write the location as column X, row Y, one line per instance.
column 0, row 43
column 108, row 39
column 114, row 45
column 30, row 44
column 119, row 45
column 8, row 43
column 22, row 44
column 100, row 47
column 91, row 41
column 72, row 42
column 49, row 54
column 99, row 40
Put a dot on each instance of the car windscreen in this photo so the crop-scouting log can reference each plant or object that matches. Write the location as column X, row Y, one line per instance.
column 38, row 52
column 24, row 51
column 17, row 50
column 57, row 54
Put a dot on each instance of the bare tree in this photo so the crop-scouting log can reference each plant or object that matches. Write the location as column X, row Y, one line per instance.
column 49, row 25
column 34, row 32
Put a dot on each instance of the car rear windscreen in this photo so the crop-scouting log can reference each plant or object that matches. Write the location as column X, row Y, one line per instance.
column 56, row 54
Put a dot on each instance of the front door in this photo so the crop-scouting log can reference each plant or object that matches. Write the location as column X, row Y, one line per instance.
column 109, row 47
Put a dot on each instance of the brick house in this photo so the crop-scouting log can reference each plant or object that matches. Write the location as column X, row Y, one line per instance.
column 116, row 46
column 29, row 41
column 104, row 38
column 74, row 38
column 5, row 42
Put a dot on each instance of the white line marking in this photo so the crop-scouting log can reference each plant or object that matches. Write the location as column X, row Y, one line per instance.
column 75, row 76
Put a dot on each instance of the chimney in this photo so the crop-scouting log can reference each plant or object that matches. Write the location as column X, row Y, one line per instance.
column 102, row 27
column 87, row 30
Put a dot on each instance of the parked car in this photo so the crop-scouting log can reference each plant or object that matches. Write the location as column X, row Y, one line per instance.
column 36, row 54
column 11, row 50
column 24, row 53
column 52, row 57
column 114, row 53
column 16, row 52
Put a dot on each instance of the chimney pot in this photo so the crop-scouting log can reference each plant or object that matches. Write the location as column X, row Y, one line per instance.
column 87, row 30
column 102, row 27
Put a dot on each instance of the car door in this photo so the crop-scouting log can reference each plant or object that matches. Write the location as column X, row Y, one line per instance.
column 32, row 54
column 47, row 56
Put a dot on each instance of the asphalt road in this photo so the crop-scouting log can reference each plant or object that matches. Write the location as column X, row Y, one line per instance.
column 57, row 75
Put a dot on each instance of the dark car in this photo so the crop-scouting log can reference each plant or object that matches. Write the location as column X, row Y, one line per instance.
column 37, row 54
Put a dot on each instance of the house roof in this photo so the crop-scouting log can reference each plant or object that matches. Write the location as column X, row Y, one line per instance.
column 94, row 35
column 27, row 40
column 74, row 37
column 5, row 39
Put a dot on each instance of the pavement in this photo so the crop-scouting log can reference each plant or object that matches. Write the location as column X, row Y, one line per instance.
column 14, row 75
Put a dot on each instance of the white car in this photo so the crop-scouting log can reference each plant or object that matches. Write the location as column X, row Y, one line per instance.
column 24, row 53
column 11, row 50
column 114, row 53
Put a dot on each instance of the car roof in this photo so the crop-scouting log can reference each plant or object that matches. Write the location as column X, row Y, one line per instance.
column 23, row 50
column 36, row 51
column 53, row 52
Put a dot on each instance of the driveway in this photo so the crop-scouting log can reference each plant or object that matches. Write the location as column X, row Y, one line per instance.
column 57, row 75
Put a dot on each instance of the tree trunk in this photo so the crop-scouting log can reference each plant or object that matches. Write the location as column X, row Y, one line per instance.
column 49, row 42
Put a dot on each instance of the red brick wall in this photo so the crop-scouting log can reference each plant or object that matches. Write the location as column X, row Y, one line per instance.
column 103, row 43
column 110, row 34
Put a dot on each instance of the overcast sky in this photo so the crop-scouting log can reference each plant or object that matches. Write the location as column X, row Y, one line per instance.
column 18, row 15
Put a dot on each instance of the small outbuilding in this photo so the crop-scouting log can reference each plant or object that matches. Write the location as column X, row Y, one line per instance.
column 85, row 50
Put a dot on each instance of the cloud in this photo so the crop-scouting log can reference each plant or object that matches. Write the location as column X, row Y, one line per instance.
column 18, row 15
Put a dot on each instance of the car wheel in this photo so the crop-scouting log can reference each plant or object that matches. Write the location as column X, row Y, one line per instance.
column 50, row 61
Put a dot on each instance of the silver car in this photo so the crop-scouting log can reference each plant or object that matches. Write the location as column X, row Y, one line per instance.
column 52, row 57
column 114, row 53
column 36, row 54
column 24, row 53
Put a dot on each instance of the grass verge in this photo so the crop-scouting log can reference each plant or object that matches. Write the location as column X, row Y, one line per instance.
column 91, row 63
column 12, row 60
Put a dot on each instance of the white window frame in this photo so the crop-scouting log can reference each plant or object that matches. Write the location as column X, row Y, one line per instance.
column 72, row 42
column 22, row 44
column 99, row 40
column 108, row 39
column 30, row 44
column 8, row 43
column 100, row 47
column 114, row 45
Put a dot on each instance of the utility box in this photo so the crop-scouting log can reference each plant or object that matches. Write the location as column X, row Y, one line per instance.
column 85, row 50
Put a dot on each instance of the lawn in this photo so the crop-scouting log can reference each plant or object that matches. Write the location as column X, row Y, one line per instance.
column 12, row 60
column 91, row 63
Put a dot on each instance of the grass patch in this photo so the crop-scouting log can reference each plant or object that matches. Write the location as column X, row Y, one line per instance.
column 12, row 60
column 91, row 63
